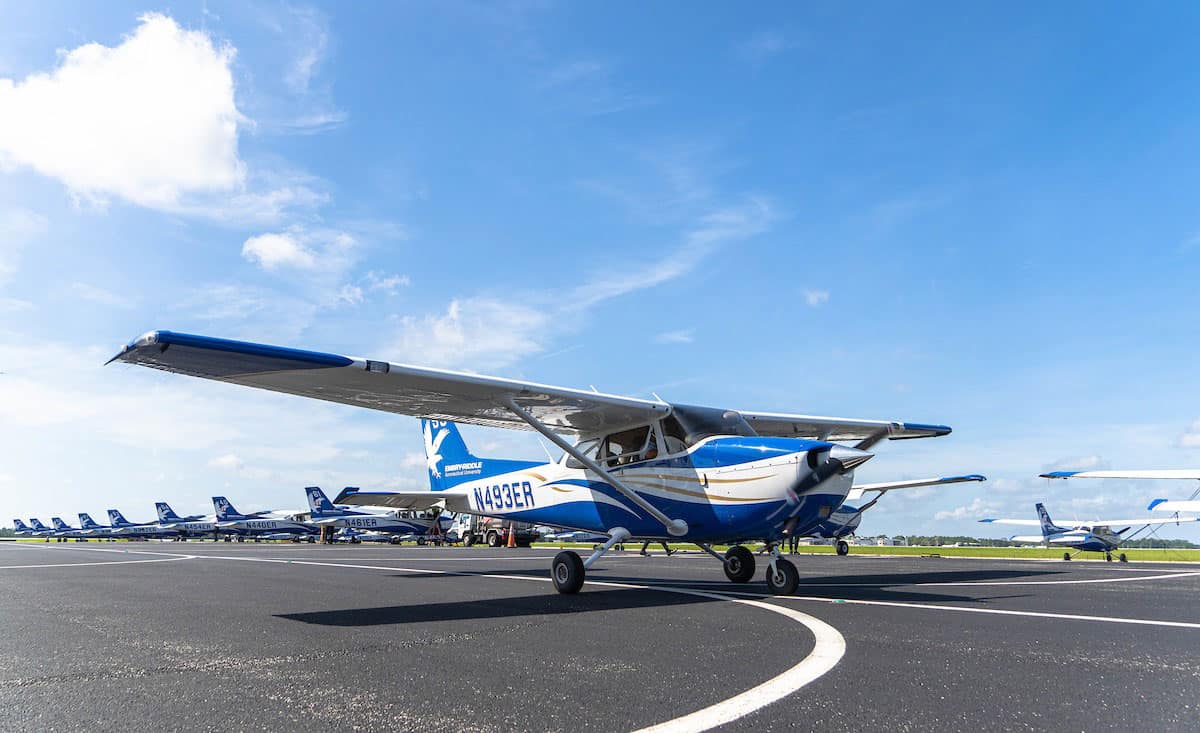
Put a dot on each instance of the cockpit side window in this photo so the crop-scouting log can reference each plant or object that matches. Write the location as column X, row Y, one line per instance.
column 627, row 446
column 589, row 448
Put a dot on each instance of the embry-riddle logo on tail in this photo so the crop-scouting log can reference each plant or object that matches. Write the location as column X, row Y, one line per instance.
column 433, row 443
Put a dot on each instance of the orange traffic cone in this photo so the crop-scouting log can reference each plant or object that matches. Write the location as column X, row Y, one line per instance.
column 512, row 535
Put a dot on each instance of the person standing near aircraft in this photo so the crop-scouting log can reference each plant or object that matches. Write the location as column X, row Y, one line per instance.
column 665, row 547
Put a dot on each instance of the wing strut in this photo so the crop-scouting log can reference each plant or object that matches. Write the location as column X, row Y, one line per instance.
column 675, row 527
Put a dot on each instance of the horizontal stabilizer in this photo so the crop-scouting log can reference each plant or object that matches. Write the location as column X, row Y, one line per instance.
column 392, row 499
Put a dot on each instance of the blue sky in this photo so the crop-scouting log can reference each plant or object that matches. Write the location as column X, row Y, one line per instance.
column 979, row 216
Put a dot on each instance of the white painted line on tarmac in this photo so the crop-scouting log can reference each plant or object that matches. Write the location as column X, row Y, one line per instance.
column 1000, row 612
column 829, row 646
column 1001, row 582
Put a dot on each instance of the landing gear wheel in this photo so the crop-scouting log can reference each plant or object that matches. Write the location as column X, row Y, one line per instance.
column 1108, row 557
column 394, row 540
column 739, row 564
column 1066, row 556
column 1122, row 557
column 493, row 539
column 784, row 580
column 567, row 572
column 468, row 540
column 842, row 547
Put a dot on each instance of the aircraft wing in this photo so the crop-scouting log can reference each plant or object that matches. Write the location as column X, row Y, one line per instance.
column 391, row 499
column 857, row 491
column 1140, row 521
column 1166, row 473
column 1170, row 505
column 435, row 394
column 1028, row 538
column 1021, row 522
column 837, row 429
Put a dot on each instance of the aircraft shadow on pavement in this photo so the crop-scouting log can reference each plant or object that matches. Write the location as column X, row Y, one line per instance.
column 541, row 604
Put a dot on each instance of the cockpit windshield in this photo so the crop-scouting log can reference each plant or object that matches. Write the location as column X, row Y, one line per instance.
column 698, row 423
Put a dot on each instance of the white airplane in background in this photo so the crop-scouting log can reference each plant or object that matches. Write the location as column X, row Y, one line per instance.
column 1190, row 504
column 643, row 469
column 846, row 518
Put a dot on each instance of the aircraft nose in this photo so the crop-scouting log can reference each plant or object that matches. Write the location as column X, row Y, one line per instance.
column 849, row 457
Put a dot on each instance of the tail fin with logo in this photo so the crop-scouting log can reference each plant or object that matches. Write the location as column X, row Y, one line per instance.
column 450, row 463
column 86, row 521
column 319, row 504
column 20, row 526
column 59, row 523
column 224, row 510
column 1048, row 525
column 116, row 519
column 165, row 512
column 37, row 524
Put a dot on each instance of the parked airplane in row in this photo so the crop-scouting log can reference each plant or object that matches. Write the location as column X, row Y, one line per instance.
column 1094, row 536
column 260, row 524
column 846, row 518
column 639, row 468
column 324, row 513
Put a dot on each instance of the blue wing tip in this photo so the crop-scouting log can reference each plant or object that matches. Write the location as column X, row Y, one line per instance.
column 1058, row 474
column 935, row 430
column 1155, row 503
column 988, row 520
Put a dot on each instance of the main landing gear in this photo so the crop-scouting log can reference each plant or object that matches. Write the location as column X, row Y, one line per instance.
column 568, row 570
column 739, row 564
column 1108, row 557
column 842, row 547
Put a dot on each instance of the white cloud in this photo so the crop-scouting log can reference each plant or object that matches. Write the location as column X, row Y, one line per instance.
column 149, row 120
column 99, row 295
column 977, row 509
column 815, row 298
column 480, row 332
column 17, row 228
column 1076, row 463
column 763, row 45
column 685, row 336
column 228, row 462
column 272, row 251
column 389, row 284
column 1191, row 437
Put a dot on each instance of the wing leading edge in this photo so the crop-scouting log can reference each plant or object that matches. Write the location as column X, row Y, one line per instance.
column 439, row 394
column 857, row 491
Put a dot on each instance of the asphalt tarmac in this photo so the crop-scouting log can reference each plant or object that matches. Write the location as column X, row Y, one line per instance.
column 204, row 636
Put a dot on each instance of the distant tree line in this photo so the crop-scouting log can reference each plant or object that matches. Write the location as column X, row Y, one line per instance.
column 937, row 540
column 7, row 533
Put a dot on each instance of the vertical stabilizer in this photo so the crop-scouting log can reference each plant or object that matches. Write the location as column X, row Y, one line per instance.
column 449, row 462
column 319, row 504
column 1048, row 525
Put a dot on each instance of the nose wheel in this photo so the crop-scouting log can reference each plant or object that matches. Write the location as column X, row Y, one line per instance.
column 782, row 577
column 843, row 547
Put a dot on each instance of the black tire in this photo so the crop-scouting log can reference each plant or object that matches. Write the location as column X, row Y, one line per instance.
column 785, row 579
column 842, row 547
column 355, row 541
column 1122, row 557
column 394, row 539
column 739, row 564
column 567, row 572
column 1108, row 557
column 468, row 539
column 1066, row 556
column 493, row 539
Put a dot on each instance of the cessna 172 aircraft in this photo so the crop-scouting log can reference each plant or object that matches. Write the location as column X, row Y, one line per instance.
column 1094, row 536
column 641, row 468
column 23, row 530
column 845, row 519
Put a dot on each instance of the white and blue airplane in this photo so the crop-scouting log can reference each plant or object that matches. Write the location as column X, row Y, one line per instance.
column 92, row 528
column 193, row 525
column 122, row 527
column 639, row 468
column 39, row 529
column 22, row 530
column 66, row 531
column 1094, row 536
column 260, row 524
column 325, row 513
column 846, row 518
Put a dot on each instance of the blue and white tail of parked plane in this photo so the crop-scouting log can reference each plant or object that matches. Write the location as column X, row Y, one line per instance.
column 636, row 468
column 1095, row 536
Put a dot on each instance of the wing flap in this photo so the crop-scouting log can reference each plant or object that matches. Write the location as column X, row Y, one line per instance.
column 435, row 394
